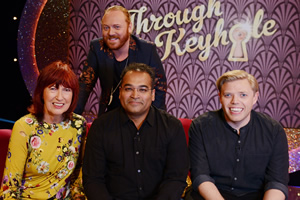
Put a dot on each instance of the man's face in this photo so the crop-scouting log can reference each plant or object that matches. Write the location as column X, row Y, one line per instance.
column 136, row 94
column 237, row 99
column 115, row 30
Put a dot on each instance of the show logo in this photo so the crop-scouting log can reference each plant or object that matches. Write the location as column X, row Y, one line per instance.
column 237, row 36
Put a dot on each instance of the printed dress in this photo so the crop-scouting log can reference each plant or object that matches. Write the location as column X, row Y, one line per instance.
column 41, row 157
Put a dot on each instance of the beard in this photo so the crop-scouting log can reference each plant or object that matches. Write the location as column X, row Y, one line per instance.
column 119, row 43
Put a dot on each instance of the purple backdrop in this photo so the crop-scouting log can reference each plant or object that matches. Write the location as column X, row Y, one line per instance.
column 273, row 59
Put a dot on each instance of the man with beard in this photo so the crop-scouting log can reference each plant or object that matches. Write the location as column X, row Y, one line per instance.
column 109, row 55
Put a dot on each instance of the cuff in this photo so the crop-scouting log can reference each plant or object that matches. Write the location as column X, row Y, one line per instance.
column 200, row 179
column 279, row 186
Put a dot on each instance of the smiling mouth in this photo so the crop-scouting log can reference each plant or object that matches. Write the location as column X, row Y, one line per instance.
column 58, row 105
column 236, row 110
column 113, row 38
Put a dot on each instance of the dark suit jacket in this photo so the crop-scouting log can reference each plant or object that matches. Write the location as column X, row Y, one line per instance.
column 100, row 64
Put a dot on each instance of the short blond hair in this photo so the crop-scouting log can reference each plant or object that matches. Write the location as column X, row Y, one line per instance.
column 119, row 8
column 237, row 75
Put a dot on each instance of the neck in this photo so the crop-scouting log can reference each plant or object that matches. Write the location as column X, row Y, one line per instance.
column 237, row 126
column 53, row 119
column 138, row 123
column 123, row 52
column 138, row 120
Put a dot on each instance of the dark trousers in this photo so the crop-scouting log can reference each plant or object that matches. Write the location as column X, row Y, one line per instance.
column 227, row 196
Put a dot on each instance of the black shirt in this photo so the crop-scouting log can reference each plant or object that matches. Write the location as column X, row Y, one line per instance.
column 119, row 67
column 253, row 161
column 122, row 162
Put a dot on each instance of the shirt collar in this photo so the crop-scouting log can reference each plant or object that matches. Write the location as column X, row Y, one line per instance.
column 149, row 119
column 244, row 128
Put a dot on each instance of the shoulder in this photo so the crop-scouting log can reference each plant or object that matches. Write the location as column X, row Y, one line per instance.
column 25, row 126
column 142, row 43
column 166, row 118
column 264, row 118
column 107, row 119
column 208, row 118
column 97, row 41
column 207, row 123
column 28, row 120
column 265, row 122
column 78, row 117
column 97, row 44
column 78, row 121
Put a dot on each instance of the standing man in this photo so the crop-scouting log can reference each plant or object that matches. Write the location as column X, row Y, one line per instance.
column 109, row 55
column 235, row 152
column 136, row 151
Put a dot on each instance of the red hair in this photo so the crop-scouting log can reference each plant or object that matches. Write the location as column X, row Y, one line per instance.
column 57, row 73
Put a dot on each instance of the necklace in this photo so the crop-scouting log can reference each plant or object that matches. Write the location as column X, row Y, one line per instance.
column 114, row 90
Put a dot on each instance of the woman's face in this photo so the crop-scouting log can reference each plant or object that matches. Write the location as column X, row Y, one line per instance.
column 57, row 101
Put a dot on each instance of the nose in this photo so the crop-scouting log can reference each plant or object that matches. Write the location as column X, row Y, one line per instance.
column 59, row 95
column 134, row 93
column 110, row 31
column 234, row 99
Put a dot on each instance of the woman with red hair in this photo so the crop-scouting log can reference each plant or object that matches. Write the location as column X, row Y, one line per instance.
column 45, row 145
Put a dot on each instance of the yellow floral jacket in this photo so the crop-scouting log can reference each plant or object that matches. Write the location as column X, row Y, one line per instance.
column 41, row 159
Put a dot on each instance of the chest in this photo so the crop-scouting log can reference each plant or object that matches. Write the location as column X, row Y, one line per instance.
column 131, row 145
column 50, row 150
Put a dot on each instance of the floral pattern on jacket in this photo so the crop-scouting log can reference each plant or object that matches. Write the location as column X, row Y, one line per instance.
column 41, row 158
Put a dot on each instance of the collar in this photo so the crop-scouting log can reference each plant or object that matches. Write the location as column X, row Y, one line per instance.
column 150, row 118
column 244, row 128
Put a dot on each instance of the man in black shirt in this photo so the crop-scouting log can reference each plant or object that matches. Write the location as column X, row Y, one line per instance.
column 136, row 152
column 235, row 152
column 110, row 54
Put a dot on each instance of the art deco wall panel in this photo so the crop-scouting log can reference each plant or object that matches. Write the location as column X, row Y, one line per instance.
column 193, row 40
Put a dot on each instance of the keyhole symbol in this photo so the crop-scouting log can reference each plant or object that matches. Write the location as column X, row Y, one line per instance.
column 239, row 36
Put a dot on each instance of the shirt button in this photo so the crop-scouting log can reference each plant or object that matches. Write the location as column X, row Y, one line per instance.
column 138, row 133
column 239, row 141
column 140, row 188
column 137, row 153
column 139, row 171
column 237, row 160
column 232, row 189
column 235, row 178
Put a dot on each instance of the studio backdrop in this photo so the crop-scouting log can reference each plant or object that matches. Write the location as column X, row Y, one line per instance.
column 197, row 41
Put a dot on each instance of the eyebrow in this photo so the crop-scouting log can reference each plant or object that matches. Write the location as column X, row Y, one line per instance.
column 112, row 24
column 240, row 92
column 140, row 86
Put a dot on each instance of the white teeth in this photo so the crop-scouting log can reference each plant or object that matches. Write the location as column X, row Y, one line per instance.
column 58, row 104
column 236, row 109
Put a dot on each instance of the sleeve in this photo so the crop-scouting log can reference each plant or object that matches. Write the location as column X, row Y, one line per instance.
column 77, row 191
column 200, row 171
column 176, row 168
column 160, row 80
column 94, row 163
column 277, row 175
column 87, row 79
column 14, row 166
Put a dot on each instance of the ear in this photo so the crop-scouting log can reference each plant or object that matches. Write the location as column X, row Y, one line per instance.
column 130, row 29
column 219, row 94
column 153, row 95
column 120, row 91
column 255, row 97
